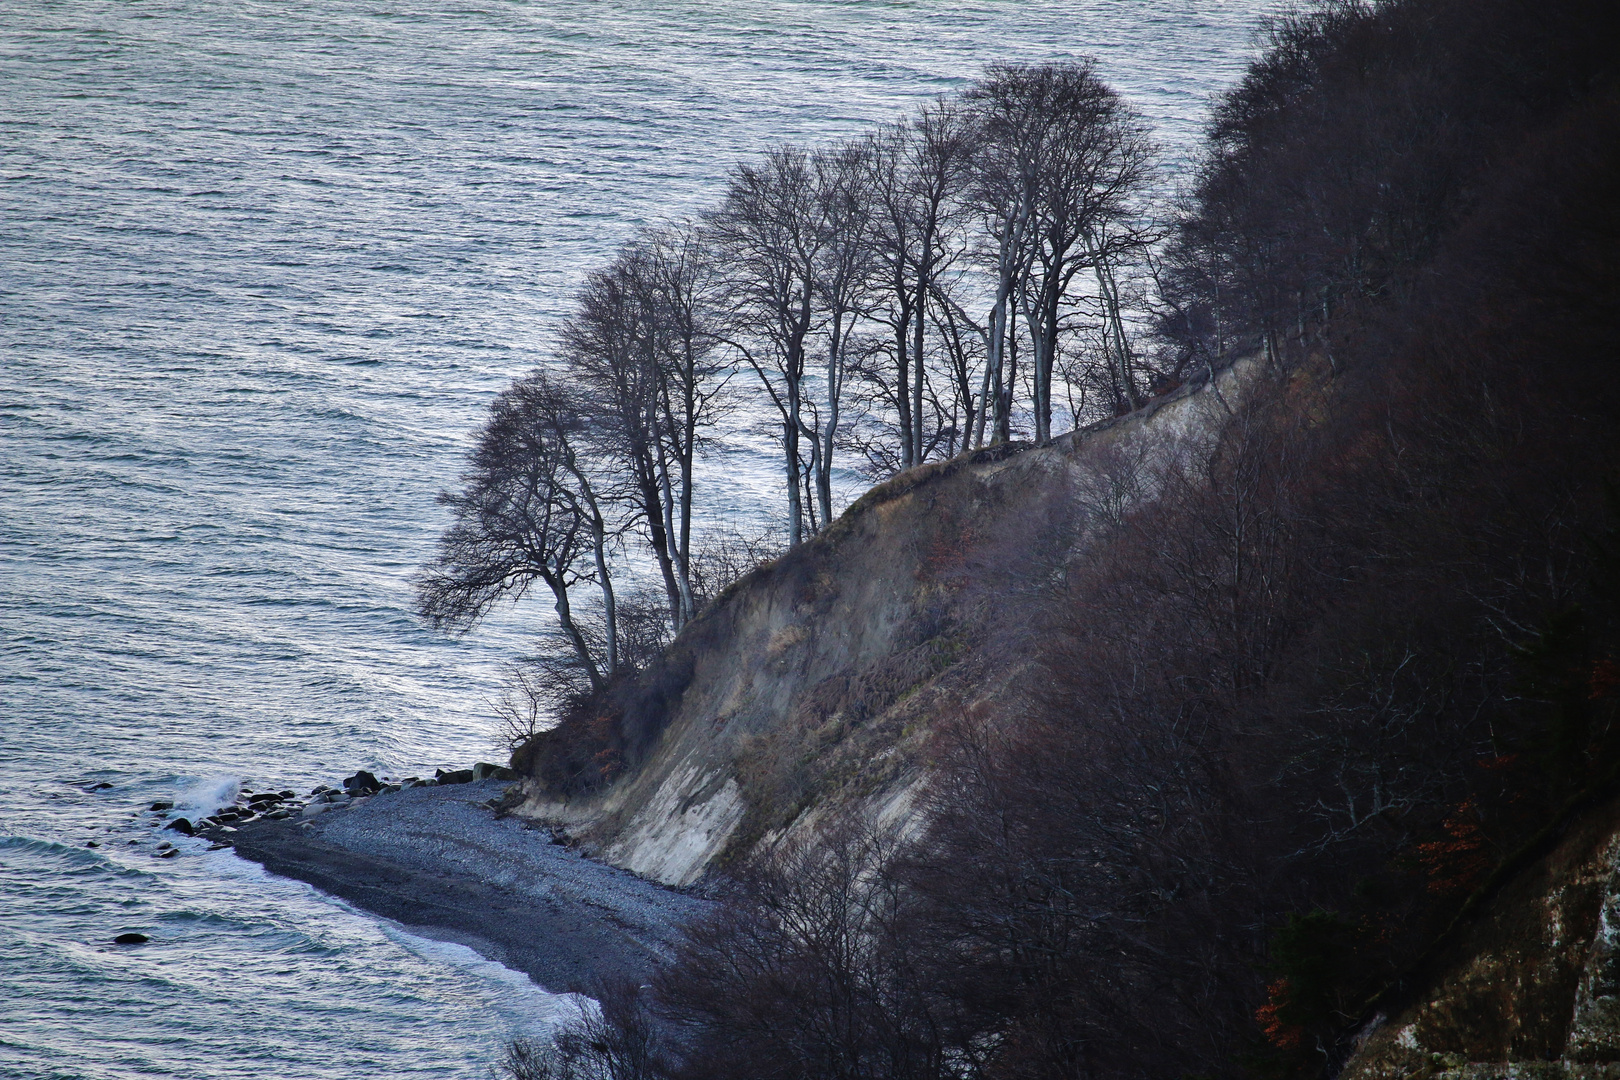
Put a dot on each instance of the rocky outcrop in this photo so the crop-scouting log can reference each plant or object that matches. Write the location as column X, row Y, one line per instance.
column 817, row 681
column 1531, row 989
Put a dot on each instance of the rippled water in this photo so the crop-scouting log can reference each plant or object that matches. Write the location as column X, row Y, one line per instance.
column 261, row 266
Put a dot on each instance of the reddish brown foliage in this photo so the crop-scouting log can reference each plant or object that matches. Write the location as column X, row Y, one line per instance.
column 1279, row 1032
column 1460, row 862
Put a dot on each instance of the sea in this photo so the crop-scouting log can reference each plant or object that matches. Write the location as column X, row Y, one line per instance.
column 263, row 265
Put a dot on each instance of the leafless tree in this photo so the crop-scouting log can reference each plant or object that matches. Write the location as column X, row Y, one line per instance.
column 1065, row 162
column 844, row 216
column 769, row 246
column 679, row 278
column 641, row 347
column 527, row 511
column 804, row 973
column 617, row 1040
column 919, row 170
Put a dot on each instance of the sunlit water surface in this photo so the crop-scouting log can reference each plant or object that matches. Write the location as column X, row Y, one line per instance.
column 261, row 266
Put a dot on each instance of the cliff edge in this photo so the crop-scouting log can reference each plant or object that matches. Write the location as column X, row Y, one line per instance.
column 816, row 682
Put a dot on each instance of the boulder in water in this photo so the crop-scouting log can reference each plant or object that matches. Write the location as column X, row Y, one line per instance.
column 459, row 776
column 162, row 804
column 183, row 826
column 361, row 783
column 131, row 939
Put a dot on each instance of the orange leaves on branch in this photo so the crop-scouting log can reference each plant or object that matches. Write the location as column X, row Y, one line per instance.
column 1278, row 1030
column 1458, row 863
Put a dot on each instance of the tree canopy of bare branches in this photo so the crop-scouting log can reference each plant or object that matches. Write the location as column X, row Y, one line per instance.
column 834, row 290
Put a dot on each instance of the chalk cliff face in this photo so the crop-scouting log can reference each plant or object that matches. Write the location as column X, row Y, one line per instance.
column 817, row 681
column 1532, row 988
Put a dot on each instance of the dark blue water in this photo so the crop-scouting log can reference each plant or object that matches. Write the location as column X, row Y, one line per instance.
column 261, row 266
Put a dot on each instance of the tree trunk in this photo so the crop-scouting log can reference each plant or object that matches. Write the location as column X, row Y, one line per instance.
column 915, row 451
column 565, row 619
column 902, row 334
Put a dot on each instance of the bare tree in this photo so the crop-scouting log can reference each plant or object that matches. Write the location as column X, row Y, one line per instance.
column 640, row 346
column 526, row 512
column 678, row 278
column 919, row 174
column 615, row 1041
column 843, row 280
column 804, row 973
column 609, row 350
column 1006, row 170
column 769, row 246
column 1065, row 162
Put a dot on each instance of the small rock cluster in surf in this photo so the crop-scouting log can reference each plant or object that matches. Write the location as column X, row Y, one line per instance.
column 280, row 805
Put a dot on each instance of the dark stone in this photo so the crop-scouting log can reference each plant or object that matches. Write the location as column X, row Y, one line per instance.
column 287, row 794
column 162, row 804
column 103, row 786
column 171, row 853
column 131, row 939
column 459, row 776
column 183, row 826
column 485, row 771
column 361, row 783
column 92, row 843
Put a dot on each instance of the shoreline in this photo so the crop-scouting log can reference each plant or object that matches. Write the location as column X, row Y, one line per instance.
column 438, row 861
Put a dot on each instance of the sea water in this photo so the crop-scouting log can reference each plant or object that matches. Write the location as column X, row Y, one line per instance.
column 262, row 264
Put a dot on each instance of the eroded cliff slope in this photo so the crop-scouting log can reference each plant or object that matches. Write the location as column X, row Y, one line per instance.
column 817, row 682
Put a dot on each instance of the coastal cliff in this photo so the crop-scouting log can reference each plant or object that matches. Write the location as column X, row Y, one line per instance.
column 816, row 683
column 1187, row 744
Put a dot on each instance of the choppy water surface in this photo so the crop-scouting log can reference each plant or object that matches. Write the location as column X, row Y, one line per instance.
column 261, row 265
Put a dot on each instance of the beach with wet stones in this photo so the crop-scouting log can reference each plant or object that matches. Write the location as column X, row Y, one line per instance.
column 443, row 857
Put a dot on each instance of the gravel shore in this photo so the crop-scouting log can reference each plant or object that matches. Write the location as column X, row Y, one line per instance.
column 438, row 860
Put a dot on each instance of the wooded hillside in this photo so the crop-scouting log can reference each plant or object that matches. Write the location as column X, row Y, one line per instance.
column 1299, row 696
